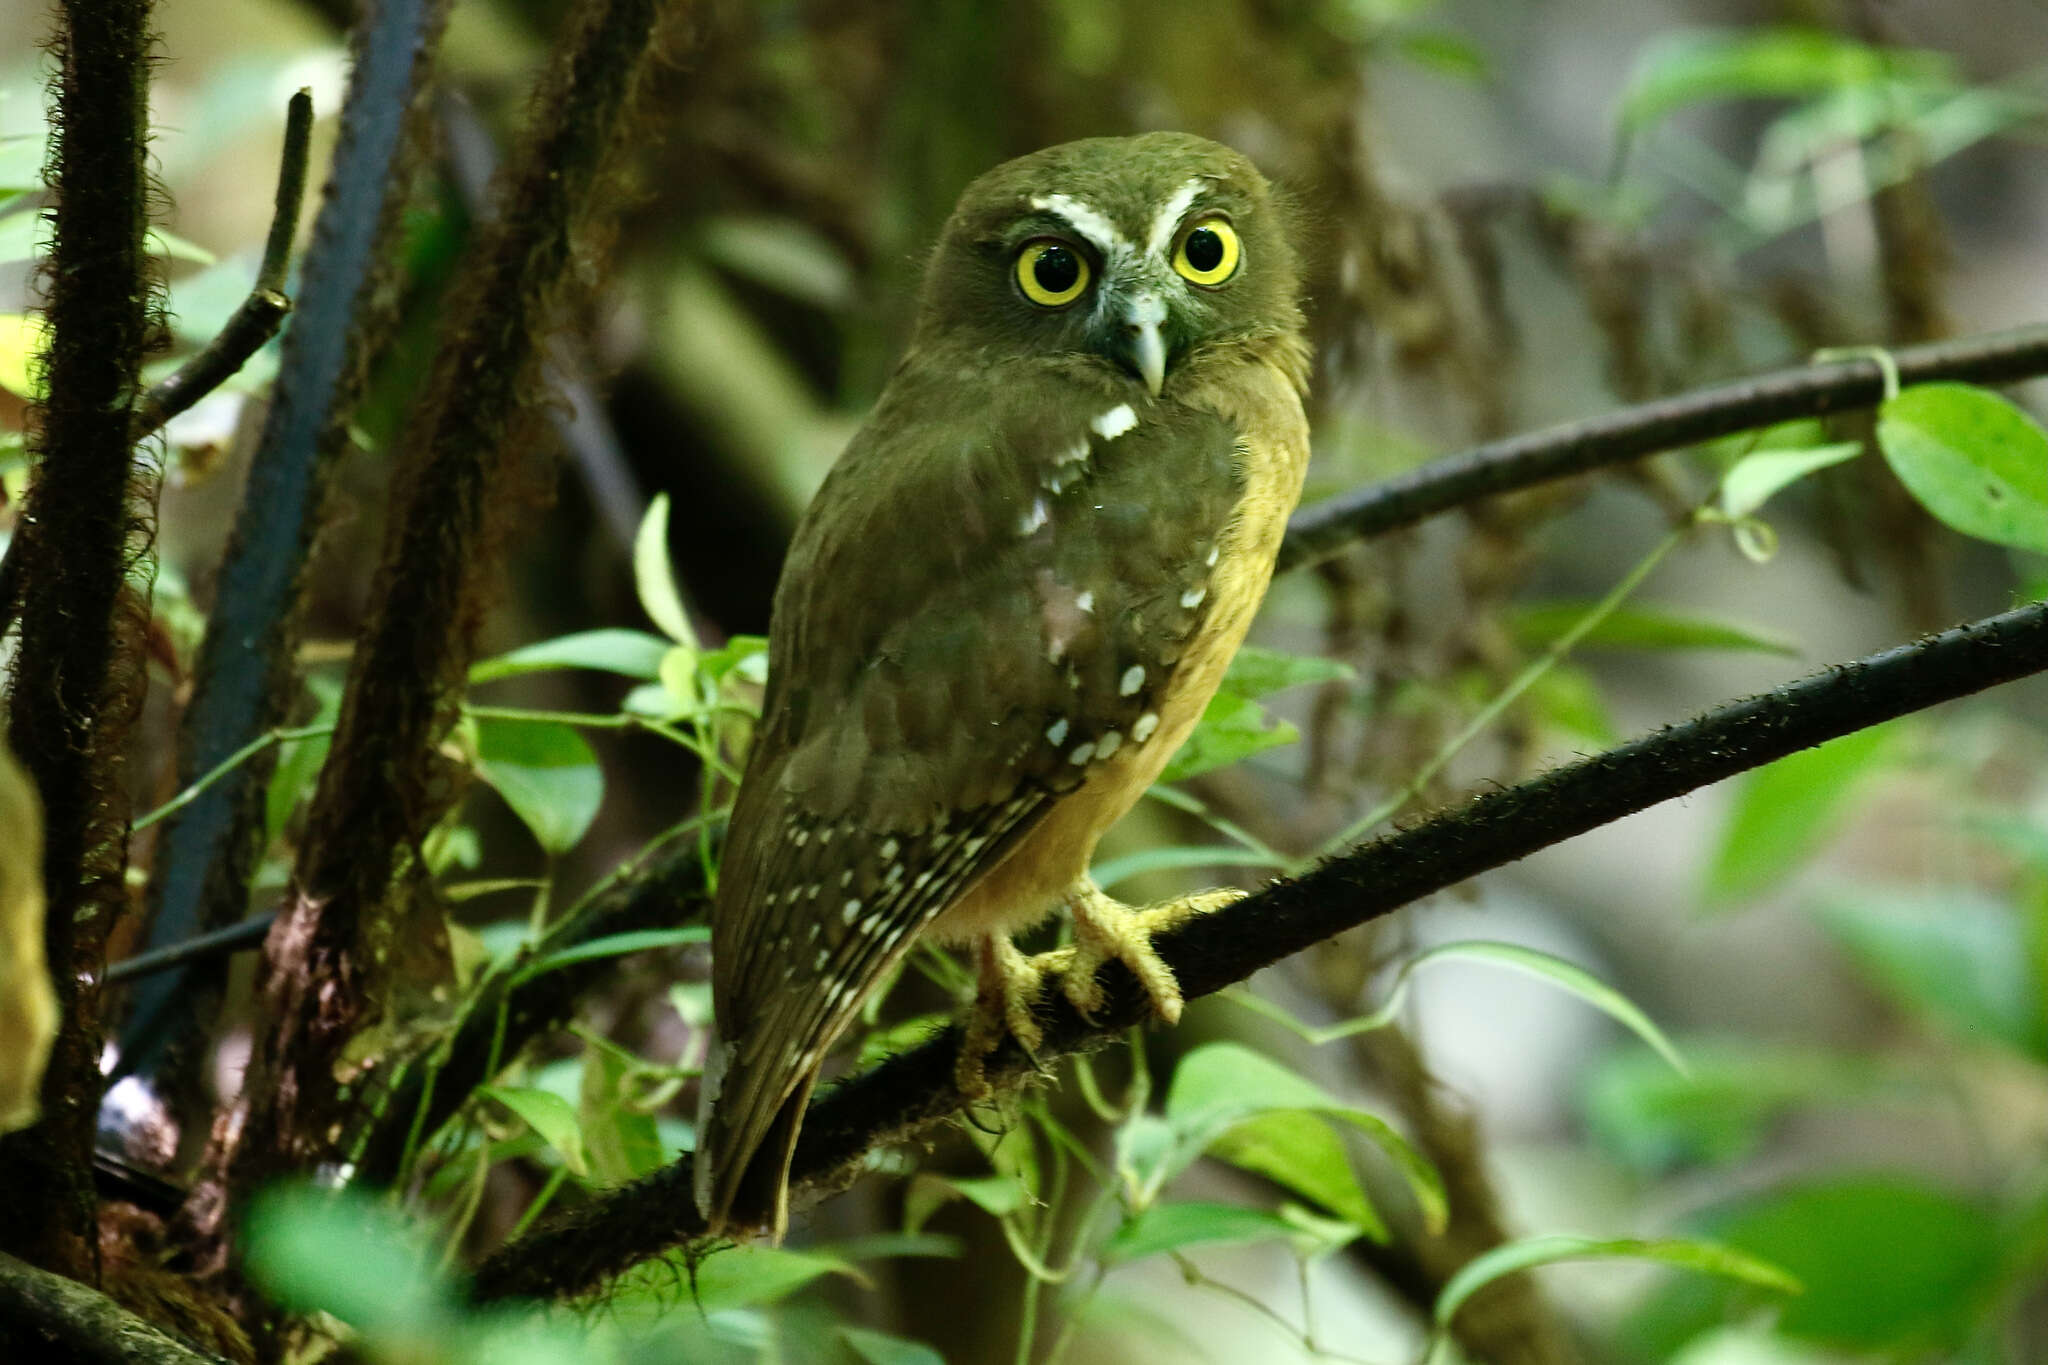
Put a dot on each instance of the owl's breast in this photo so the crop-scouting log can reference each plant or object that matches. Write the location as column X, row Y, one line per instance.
column 1222, row 573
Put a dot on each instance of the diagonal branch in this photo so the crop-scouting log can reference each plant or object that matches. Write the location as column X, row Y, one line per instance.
column 1578, row 447
column 914, row 1091
column 50, row 1318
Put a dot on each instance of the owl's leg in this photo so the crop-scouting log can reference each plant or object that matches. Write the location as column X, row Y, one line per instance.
column 1008, row 982
column 1106, row 929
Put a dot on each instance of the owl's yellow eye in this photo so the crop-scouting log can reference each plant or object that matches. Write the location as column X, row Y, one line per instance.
column 1051, row 273
column 1208, row 252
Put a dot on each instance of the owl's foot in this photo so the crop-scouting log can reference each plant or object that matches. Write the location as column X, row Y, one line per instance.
column 1106, row 929
column 1008, row 985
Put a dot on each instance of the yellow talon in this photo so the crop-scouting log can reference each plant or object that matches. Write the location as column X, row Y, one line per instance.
column 1007, row 988
column 1106, row 929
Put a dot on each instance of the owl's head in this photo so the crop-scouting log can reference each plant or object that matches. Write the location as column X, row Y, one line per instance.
column 1134, row 251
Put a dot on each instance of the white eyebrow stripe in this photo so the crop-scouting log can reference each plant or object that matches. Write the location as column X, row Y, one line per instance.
column 1169, row 217
column 1084, row 219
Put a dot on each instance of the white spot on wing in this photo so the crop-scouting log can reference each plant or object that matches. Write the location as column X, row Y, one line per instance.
column 1115, row 422
column 1056, row 733
column 890, row 848
column 1169, row 216
column 851, row 912
column 1082, row 753
column 1085, row 601
column 1132, row 680
column 1214, row 551
column 1074, row 453
column 1033, row 519
column 1192, row 598
column 1147, row 723
column 1108, row 744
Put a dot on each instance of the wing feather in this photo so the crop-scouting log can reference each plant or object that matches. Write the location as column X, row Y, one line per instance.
column 986, row 590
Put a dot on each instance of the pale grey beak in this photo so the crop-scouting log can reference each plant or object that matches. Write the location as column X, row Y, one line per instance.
column 1144, row 350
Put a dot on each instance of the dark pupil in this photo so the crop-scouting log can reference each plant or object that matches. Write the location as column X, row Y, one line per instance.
column 1056, row 270
column 1204, row 249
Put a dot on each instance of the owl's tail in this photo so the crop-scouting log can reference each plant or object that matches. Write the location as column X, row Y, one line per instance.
column 745, row 1140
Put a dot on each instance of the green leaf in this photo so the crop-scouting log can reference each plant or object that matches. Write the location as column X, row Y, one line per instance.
column 1566, row 976
column 655, row 578
column 546, row 773
column 737, row 1278
column 742, row 656
column 1889, row 1263
column 1255, row 671
column 1757, row 478
column 633, row 653
column 880, row 1348
column 782, row 254
column 21, row 162
column 1720, row 1110
column 1173, row 857
column 622, row 1141
column 1706, row 1257
column 995, row 1195
column 299, row 761
column 1951, row 954
column 169, row 245
column 615, row 945
column 1176, row 1227
column 1298, row 1151
column 678, row 673
column 550, row 1116
column 1219, row 1085
column 1785, row 810
column 347, row 1254
column 1566, row 696
column 1231, row 728
column 1448, row 54
column 1688, row 67
column 24, row 235
column 1536, row 624
column 1974, row 459
column 23, row 339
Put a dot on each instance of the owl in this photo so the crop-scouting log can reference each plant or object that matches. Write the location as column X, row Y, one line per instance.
column 1004, row 610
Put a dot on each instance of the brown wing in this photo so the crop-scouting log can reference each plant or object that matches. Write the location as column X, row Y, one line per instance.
column 988, row 594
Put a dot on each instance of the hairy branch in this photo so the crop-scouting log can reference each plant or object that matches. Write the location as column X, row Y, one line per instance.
column 245, row 679
column 50, row 1318
column 77, row 682
column 914, row 1091
column 1578, row 447
column 463, row 471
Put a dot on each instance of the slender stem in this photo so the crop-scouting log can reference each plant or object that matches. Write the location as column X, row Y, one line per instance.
column 264, row 311
column 1506, row 697
column 228, row 765
column 540, row 1201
